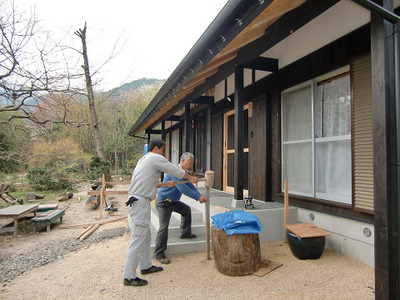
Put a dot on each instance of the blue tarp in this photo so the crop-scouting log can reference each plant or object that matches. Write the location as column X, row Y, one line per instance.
column 237, row 222
column 145, row 149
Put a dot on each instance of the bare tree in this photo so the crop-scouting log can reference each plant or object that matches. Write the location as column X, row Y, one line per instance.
column 81, row 33
column 31, row 66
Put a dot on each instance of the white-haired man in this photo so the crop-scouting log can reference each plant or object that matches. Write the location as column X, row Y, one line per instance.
column 168, row 201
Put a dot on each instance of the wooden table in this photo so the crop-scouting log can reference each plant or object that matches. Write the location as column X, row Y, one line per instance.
column 16, row 212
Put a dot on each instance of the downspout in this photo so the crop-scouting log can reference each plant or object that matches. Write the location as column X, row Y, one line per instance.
column 378, row 10
column 397, row 99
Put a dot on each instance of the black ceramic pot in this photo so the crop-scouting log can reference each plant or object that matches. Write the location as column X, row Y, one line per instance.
column 305, row 248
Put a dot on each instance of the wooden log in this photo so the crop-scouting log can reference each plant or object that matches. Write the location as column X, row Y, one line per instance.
column 237, row 254
column 88, row 224
column 66, row 196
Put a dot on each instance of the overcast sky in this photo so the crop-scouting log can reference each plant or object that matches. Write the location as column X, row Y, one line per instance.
column 154, row 35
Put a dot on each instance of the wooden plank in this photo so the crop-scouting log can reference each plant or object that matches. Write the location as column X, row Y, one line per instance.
column 97, row 193
column 306, row 230
column 86, row 230
column 286, row 206
column 17, row 210
column 89, row 232
column 119, row 182
column 93, row 223
column 48, row 217
column 46, row 207
column 267, row 266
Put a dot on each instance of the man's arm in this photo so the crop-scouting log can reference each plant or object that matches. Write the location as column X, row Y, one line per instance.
column 192, row 179
column 189, row 190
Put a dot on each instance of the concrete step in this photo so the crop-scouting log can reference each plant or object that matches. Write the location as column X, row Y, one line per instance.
column 198, row 225
column 269, row 213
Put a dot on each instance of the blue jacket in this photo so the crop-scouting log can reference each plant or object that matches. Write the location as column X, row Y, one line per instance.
column 176, row 192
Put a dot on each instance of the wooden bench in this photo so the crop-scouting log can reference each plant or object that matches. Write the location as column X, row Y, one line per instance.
column 46, row 207
column 48, row 218
column 16, row 212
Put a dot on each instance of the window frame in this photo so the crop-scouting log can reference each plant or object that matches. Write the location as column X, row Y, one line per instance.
column 313, row 84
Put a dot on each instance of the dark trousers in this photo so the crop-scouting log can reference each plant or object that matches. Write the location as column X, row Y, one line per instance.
column 165, row 209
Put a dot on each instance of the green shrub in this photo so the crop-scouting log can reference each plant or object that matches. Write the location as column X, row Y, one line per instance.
column 42, row 178
column 99, row 167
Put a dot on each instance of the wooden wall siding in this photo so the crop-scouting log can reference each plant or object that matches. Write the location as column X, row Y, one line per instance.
column 328, row 58
column 275, row 147
column 257, row 149
column 217, row 149
column 363, row 176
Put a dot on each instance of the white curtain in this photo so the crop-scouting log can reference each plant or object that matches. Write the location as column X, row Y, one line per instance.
column 297, row 141
column 319, row 161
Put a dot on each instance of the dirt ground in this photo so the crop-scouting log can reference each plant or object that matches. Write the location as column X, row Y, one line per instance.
column 95, row 272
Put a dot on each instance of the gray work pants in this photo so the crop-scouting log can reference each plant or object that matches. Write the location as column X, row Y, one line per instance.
column 165, row 210
column 139, row 247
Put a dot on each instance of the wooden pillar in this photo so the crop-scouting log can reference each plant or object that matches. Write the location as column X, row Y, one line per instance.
column 187, row 127
column 238, row 158
column 268, row 148
column 386, row 201
column 163, row 130
column 163, row 138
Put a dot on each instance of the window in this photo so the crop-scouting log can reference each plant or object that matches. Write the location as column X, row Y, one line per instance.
column 316, row 138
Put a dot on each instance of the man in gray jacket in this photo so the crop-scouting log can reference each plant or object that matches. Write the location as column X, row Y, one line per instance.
column 142, row 190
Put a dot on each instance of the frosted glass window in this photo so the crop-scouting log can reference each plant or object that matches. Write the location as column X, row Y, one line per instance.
column 297, row 115
column 316, row 140
column 298, row 167
column 332, row 108
column 333, row 170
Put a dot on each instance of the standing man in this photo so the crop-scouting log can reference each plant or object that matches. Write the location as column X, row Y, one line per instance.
column 142, row 190
column 168, row 201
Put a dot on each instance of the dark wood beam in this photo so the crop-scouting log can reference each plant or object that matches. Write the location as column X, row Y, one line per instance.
column 163, row 130
column 238, row 157
column 152, row 131
column 386, row 195
column 204, row 100
column 263, row 64
column 188, row 123
column 173, row 118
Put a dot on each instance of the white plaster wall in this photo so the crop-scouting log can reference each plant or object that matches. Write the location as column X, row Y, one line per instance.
column 339, row 20
column 347, row 235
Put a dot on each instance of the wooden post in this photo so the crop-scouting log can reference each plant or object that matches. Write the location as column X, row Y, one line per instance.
column 207, row 208
column 209, row 181
column 286, row 206
column 103, row 187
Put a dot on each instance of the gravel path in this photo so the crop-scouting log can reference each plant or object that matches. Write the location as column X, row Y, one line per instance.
column 45, row 254
column 95, row 272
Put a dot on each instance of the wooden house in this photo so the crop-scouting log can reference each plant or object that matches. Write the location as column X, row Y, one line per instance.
column 304, row 91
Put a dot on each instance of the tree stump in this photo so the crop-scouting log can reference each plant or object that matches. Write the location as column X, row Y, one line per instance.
column 237, row 254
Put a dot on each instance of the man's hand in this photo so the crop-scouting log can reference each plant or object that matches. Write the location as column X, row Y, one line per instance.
column 203, row 199
column 171, row 183
column 193, row 179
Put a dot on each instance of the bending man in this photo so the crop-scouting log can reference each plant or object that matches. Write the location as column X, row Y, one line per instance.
column 168, row 201
column 142, row 190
